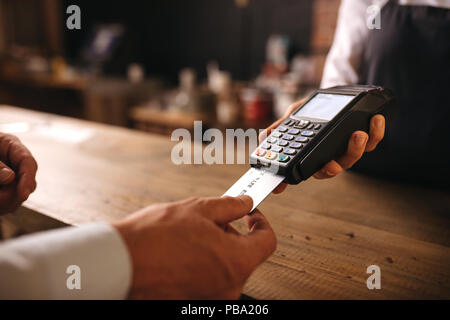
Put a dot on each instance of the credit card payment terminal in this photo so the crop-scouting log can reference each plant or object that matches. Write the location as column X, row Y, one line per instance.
column 316, row 132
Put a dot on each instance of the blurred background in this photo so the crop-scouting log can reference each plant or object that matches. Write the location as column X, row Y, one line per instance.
column 160, row 65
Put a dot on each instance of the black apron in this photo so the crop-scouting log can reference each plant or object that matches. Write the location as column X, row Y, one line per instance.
column 410, row 54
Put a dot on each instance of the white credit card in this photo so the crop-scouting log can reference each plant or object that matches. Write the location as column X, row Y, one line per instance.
column 256, row 183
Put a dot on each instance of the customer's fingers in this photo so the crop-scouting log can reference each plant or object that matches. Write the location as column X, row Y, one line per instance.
column 260, row 242
column 6, row 194
column 8, row 198
column 224, row 209
column 23, row 163
column 6, row 174
column 230, row 229
column 27, row 177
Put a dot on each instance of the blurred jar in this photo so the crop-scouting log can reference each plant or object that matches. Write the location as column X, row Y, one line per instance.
column 258, row 106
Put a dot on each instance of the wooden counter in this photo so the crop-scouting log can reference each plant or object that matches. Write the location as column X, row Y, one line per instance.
column 328, row 232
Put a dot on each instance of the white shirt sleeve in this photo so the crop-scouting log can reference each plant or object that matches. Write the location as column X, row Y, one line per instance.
column 39, row 266
column 344, row 58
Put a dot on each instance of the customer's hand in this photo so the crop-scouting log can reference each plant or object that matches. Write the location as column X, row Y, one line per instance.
column 17, row 173
column 359, row 143
column 188, row 250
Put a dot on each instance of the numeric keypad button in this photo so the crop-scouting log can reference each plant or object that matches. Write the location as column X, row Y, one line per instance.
column 308, row 133
column 290, row 152
column 277, row 149
column 260, row 152
column 301, row 139
column 288, row 137
column 277, row 134
column 284, row 158
column 271, row 155
column 296, row 145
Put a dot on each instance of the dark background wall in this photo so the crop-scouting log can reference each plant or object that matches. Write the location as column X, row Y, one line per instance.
column 166, row 36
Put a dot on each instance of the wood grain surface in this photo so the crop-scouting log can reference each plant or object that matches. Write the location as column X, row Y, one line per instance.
column 328, row 232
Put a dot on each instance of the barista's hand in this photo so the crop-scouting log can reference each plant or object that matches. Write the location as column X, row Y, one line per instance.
column 17, row 173
column 188, row 250
column 359, row 143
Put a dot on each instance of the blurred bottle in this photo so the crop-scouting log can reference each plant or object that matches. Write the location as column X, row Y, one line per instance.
column 185, row 98
column 285, row 94
column 59, row 66
column 135, row 73
column 228, row 107
column 193, row 98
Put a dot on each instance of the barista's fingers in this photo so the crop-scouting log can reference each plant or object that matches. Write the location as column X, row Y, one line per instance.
column 376, row 133
column 329, row 170
column 280, row 188
column 355, row 149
